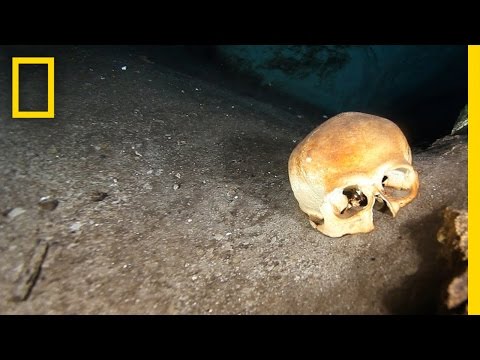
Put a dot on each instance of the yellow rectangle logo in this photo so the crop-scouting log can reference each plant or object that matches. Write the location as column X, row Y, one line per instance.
column 16, row 62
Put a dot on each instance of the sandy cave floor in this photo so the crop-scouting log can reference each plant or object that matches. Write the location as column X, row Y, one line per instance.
column 173, row 198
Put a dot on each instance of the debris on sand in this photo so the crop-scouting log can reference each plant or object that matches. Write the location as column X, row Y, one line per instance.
column 30, row 275
column 47, row 203
column 13, row 213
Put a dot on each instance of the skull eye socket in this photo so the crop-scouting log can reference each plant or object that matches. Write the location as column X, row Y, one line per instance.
column 356, row 201
column 396, row 183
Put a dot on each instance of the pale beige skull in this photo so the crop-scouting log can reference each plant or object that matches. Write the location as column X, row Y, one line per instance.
column 346, row 165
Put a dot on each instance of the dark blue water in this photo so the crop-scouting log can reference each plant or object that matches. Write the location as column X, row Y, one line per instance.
column 421, row 88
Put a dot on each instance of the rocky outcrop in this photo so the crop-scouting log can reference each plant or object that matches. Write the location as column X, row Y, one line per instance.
column 461, row 125
column 453, row 235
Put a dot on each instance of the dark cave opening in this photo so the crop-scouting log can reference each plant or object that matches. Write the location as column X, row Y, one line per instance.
column 426, row 109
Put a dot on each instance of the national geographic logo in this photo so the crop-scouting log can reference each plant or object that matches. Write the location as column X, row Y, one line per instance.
column 16, row 62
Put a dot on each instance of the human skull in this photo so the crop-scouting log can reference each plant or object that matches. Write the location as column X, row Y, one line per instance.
column 347, row 165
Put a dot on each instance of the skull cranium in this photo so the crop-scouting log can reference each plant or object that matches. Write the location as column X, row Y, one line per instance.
column 347, row 165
